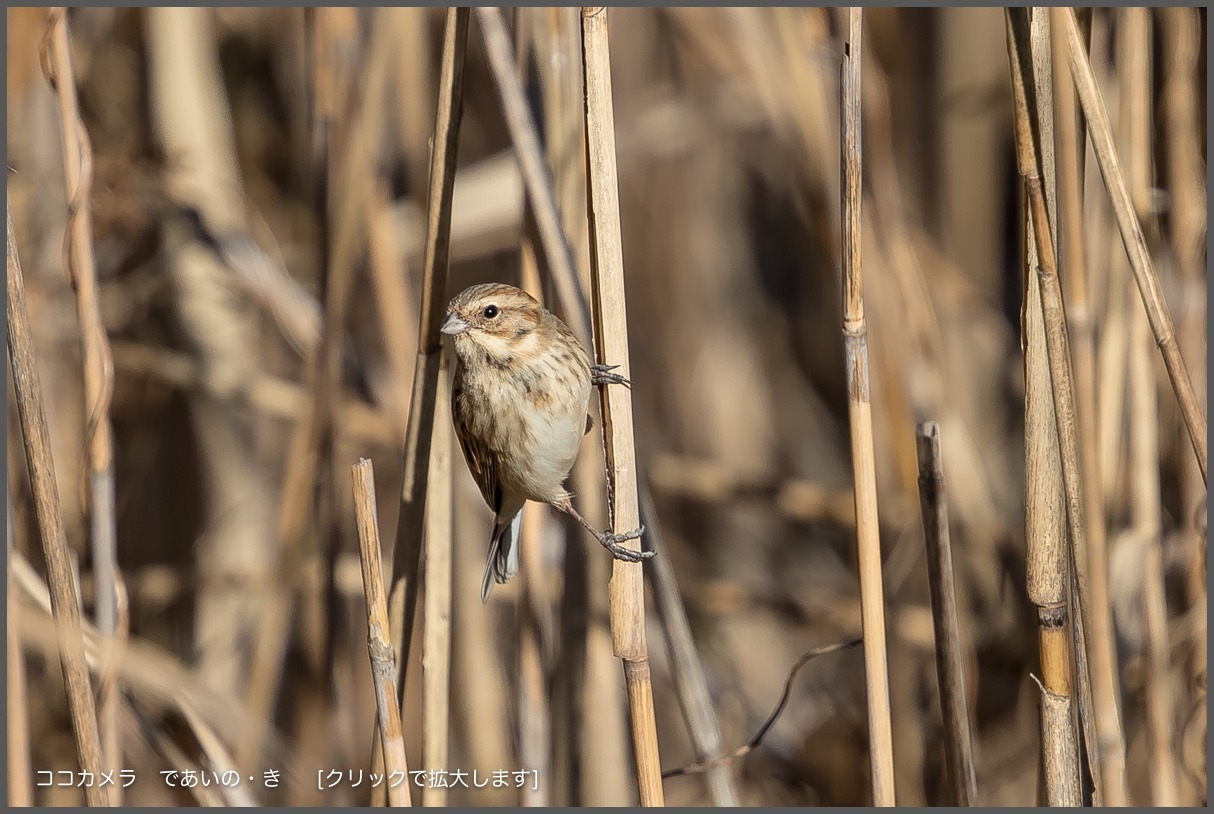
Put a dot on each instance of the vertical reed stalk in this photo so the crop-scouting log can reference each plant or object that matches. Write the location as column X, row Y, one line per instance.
column 64, row 602
column 1146, row 522
column 1105, row 684
column 1100, row 133
column 419, row 432
column 379, row 647
column 958, row 740
column 482, row 697
column 690, row 682
column 1186, row 174
column 611, row 344
column 600, row 779
column 1135, row 49
column 20, row 775
column 1144, row 417
column 1043, row 98
column 1048, row 565
column 436, row 619
column 591, row 770
column 534, row 714
column 855, row 338
column 98, row 364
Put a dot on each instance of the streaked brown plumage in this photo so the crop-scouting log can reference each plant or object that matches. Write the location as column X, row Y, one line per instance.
column 519, row 401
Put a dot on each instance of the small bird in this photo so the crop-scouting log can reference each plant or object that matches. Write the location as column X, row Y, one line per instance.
column 519, row 401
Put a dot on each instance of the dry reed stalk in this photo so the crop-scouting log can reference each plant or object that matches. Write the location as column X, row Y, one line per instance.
column 959, row 748
column 1109, row 268
column 1144, row 453
column 379, row 646
column 408, row 547
column 419, row 434
column 611, row 345
column 482, row 700
column 601, row 758
column 1029, row 141
column 1048, row 565
column 98, row 364
column 1146, row 521
column 534, row 714
column 855, row 338
column 691, row 684
column 1186, row 172
column 588, row 769
column 20, row 774
column 1043, row 99
column 1100, row 133
column 436, row 612
column 64, row 603
column 1080, row 321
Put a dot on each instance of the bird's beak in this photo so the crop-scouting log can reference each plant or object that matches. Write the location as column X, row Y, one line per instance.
column 453, row 325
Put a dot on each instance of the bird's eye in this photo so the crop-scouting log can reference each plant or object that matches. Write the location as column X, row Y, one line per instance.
column 491, row 312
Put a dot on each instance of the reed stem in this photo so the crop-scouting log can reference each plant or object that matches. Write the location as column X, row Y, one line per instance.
column 436, row 619
column 65, row 606
column 379, row 646
column 958, row 739
column 611, row 345
column 98, row 365
column 855, row 338
column 1101, row 135
column 1049, row 564
column 406, row 559
column 20, row 771
column 1182, row 32
column 1080, row 321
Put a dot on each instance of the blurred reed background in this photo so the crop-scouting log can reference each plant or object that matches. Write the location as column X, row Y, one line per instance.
column 258, row 195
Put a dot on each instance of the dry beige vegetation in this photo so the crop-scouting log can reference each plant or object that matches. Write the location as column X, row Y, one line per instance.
column 244, row 628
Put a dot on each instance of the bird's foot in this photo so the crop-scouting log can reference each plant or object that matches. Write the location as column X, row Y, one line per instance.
column 611, row 542
column 602, row 375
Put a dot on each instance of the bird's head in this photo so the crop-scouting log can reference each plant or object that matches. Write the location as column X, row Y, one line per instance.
column 494, row 318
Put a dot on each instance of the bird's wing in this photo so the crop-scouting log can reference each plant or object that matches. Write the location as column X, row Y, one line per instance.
column 482, row 462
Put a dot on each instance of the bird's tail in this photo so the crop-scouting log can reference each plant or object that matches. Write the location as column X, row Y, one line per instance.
column 502, row 563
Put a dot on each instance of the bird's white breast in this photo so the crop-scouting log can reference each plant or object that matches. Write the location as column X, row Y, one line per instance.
column 539, row 416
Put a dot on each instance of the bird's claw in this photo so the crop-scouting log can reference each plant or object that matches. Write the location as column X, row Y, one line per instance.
column 602, row 375
column 611, row 542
